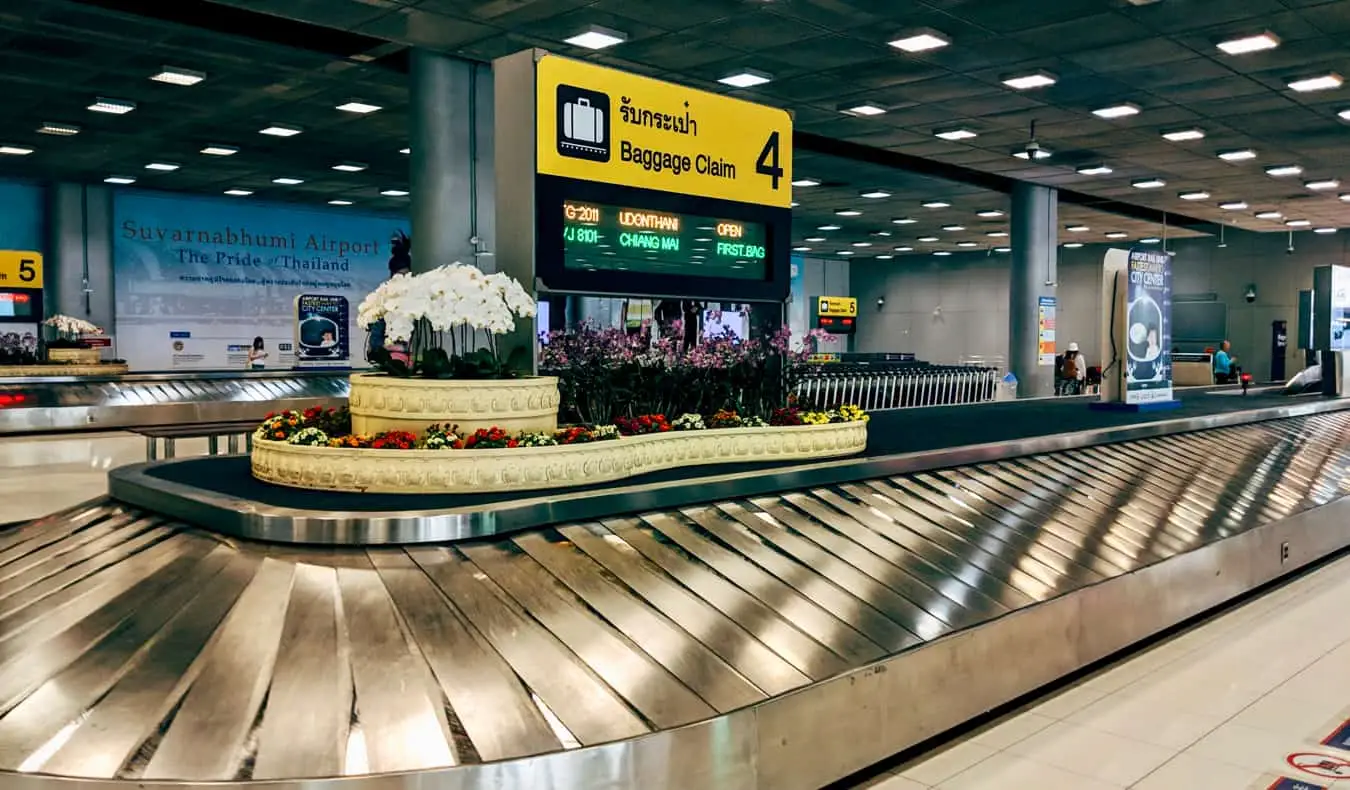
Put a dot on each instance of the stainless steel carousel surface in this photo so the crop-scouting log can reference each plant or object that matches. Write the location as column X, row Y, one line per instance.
column 774, row 641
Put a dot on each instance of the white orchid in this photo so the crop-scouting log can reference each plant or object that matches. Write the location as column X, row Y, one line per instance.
column 70, row 326
column 445, row 298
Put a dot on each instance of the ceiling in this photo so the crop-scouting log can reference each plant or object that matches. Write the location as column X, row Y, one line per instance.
column 293, row 61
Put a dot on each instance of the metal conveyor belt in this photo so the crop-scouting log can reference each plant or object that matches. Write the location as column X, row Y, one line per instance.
column 140, row 649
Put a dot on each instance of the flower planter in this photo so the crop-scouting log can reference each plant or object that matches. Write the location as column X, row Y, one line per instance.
column 74, row 356
column 524, row 469
column 67, row 369
column 383, row 403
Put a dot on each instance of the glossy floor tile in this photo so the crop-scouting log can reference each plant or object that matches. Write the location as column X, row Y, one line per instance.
column 1235, row 703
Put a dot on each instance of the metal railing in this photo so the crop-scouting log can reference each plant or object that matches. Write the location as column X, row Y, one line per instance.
column 877, row 388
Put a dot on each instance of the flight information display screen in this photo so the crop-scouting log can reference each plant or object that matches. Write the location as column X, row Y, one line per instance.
column 599, row 237
column 16, row 305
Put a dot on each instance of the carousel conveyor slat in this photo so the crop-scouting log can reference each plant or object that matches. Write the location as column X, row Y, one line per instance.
column 137, row 648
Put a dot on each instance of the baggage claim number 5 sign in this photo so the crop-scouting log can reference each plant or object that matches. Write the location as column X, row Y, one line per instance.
column 20, row 269
column 598, row 124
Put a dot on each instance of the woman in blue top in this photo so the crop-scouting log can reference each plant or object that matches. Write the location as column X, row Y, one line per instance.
column 1225, row 365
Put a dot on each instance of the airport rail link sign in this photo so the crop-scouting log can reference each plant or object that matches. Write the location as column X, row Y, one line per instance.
column 599, row 124
column 20, row 269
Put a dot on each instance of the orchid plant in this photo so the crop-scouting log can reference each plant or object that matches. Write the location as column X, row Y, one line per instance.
column 433, row 322
column 70, row 331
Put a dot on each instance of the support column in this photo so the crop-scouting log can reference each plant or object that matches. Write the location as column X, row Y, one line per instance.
column 1035, row 249
column 442, row 99
column 79, row 276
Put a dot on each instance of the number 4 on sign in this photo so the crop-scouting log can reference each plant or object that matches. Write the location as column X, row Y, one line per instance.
column 767, row 163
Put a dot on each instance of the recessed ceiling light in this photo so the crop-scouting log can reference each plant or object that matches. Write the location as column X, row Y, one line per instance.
column 1321, row 82
column 937, row 204
column 239, row 192
column 1148, row 183
column 288, row 182
column 846, row 252
column 359, row 107
column 350, row 167
column 1234, row 205
column 793, row 204
column 806, row 182
column 815, row 239
column 220, row 150
column 1184, row 135
column 58, row 129
column 1238, row 155
column 172, row 75
column 1077, row 228
column 1117, row 234
column 746, row 78
column 989, row 213
column 394, row 192
column 884, row 257
column 1323, row 185
column 1036, row 79
column 1117, row 111
column 966, row 244
column 880, row 233
column 165, row 167
column 119, row 180
column 1324, row 230
column 1073, row 245
column 997, row 234
column 920, row 41
column 953, row 228
column 1003, row 249
column 1150, row 240
column 1039, row 153
column 112, row 106
column 1095, row 170
column 942, row 253
column 281, row 130
column 339, row 202
column 1196, row 195
column 405, row 151
column 1248, row 44
column 1284, row 170
column 904, row 221
column 15, row 150
column 904, row 249
column 956, row 134
column 1298, row 223
column 928, row 239
column 1344, row 197
column 828, row 227
column 862, row 244
column 596, row 37
column 1268, row 215
column 874, row 194
column 865, row 109
column 801, row 249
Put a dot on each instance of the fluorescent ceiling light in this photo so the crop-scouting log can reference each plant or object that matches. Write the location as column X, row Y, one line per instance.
column 1077, row 228
column 119, row 180
column 997, row 234
column 1322, row 82
column 58, row 129
column 1268, row 215
column 815, row 239
column 15, row 150
column 828, row 227
column 350, row 167
column 281, row 130
column 845, row 252
column 929, row 239
column 1040, row 153
column 1344, row 197
column 874, row 194
column 288, row 182
column 953, row 228
column 847, row 212
column 112, row 106
column 1324, row 230
column 1117, row 111
column 1248, row 44
column 1003, row 249
column 793, row 204
column 220, row 150
column 806, row 182
column 1197, row 195
column 884, row 257
column 920, row 41
column 966, row 244
column 405, row 151
column 904, row 221
column 1234, row 205
column 1117, row 234
column 239, row 192
column 164, row 167
column 942, row 253
column 862, row 244
column 746, row 78
column 1323, row 185
column 1148, row 183
column 880, row 233
column 394, row 192
column 1184, row 135
column 1073, row 245
column 801, row 249
column 937, row 204
column 1238, row 155
column 866, row 108
column 596, row 37
column 1284, row 170
column 359, row 107
column 989, row 213
column 171, row 75
column 1150, row 240
column 1095, row 170
column 956, row 134
column 1023, row 82
column 339, row 202
column 904, row 249
column 1298, row 223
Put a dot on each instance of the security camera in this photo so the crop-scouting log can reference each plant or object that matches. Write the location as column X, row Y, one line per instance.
column 1250, row 294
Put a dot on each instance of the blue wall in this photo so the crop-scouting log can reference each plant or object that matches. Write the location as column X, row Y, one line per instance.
column 21, row 213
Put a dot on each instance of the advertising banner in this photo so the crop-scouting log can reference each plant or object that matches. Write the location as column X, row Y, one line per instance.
column 197, row 279
column 1339, row 314
column 322, row 339
column 1047, row 307
column 1148, row 327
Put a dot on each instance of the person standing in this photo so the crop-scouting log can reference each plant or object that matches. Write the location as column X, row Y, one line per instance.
column 1073, row 371
column 1226, row 370
column 257, row 355
column 400, row 263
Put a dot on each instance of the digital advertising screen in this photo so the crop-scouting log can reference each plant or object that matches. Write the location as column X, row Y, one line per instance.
column 17, row 305
column 605, row 237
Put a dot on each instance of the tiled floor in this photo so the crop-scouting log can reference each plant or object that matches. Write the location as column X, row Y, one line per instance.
column 1220, row 707
column 40, row 475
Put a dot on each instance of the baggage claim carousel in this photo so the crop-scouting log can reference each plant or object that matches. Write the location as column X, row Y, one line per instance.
column 733, row 628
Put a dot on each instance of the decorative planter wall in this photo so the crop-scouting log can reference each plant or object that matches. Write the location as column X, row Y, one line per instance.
column 74, row 356
column 382, row 403
column 524, row 469
column 67, row 369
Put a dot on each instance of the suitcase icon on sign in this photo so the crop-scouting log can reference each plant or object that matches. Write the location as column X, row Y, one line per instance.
column 583, row 123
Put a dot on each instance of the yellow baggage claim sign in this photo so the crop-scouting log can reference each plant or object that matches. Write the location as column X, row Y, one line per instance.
column 598, row 124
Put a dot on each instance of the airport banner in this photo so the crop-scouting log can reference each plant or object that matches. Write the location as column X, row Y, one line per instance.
column 322, row 339
column 1148, row 327
column 198, row 279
